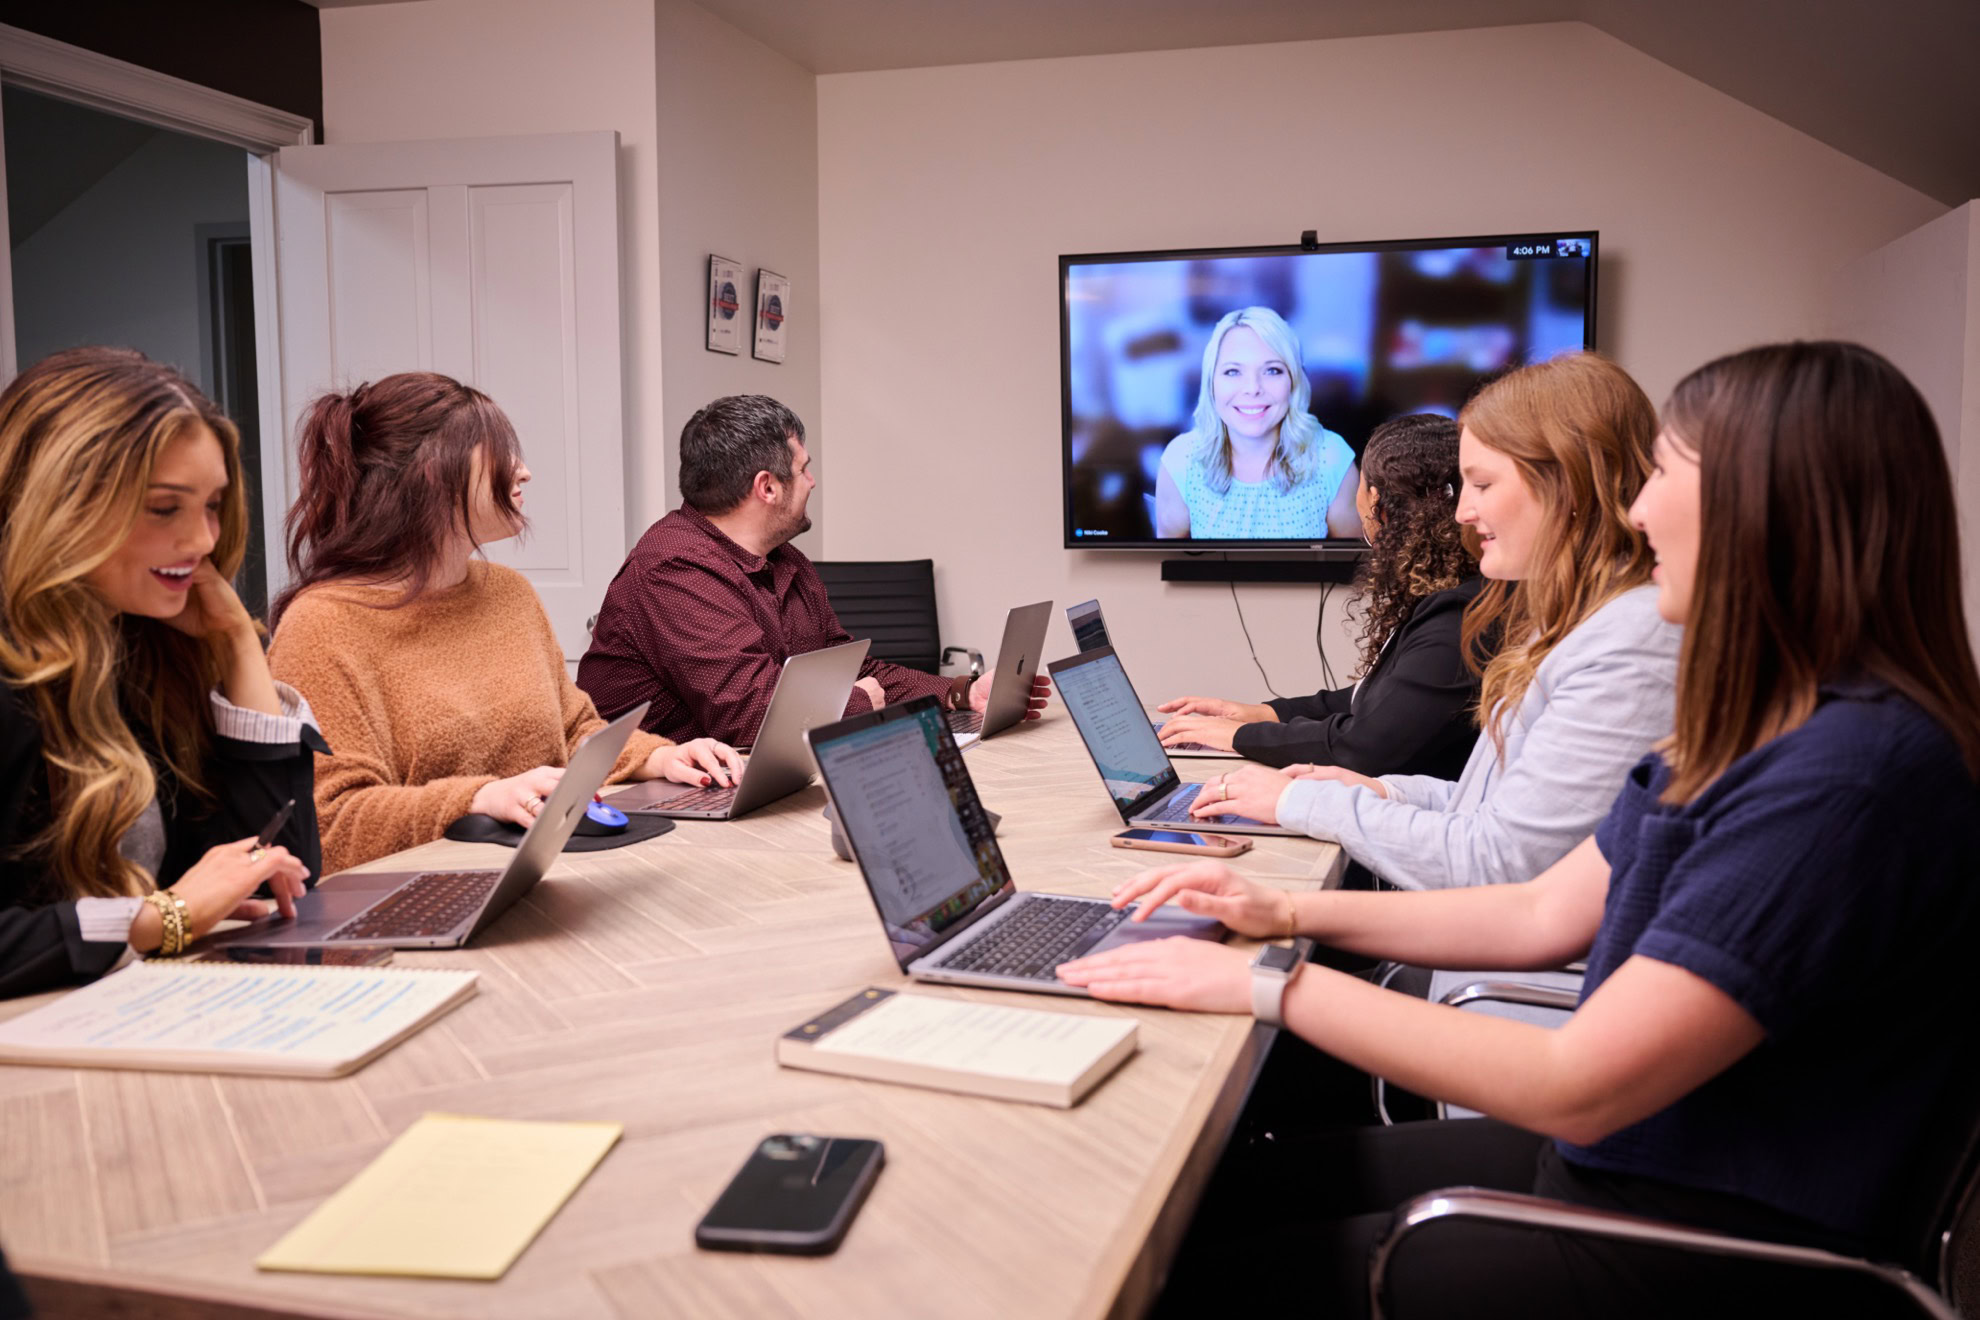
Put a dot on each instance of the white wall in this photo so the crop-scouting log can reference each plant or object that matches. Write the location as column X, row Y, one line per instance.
column 1917, row 301
column 120, row 264
column 946, row 194
column 484, row 68
column 738, row 172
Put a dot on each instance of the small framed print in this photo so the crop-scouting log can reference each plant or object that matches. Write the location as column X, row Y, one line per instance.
column 725, row 320
column 773, row 306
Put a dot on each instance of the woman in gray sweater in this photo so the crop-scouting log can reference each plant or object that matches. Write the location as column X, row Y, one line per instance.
column 1551, row 456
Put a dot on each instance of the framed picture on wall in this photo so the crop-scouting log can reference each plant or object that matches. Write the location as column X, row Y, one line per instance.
column 725, row 323
column 773, row 305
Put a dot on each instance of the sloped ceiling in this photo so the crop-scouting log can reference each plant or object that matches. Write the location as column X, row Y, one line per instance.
column 1894, row 83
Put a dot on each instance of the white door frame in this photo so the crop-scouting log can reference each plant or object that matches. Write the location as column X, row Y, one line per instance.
column 70, row 73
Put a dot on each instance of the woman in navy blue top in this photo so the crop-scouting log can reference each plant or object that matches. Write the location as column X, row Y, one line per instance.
column 1777, row 915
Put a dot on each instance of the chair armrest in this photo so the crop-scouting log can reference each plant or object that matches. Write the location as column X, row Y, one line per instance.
column 1512, row 992
column 1524, row 1211
column 975, row 658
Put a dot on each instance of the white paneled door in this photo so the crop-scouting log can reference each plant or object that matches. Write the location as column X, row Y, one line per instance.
column 492, row 260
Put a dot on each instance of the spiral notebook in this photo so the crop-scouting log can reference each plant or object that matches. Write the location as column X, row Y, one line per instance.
column 217, row 1017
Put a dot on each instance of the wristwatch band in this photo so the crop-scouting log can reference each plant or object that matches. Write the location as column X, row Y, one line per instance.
column 1268, row 990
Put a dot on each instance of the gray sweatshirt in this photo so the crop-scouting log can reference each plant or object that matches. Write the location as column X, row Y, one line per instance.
column 1595, row 706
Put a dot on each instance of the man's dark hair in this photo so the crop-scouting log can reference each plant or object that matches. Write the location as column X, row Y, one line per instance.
column 727, row 443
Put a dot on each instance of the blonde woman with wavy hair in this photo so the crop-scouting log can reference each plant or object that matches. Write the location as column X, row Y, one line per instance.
column 1255, row 465
column 142, row 741
column 1551, row 456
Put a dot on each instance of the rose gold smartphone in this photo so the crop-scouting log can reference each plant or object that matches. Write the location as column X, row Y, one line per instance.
column 1182, row 841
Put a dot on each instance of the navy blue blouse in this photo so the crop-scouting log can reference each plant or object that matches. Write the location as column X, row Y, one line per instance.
column 1829, row 883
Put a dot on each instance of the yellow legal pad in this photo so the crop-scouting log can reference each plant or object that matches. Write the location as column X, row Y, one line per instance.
column 453, row 1197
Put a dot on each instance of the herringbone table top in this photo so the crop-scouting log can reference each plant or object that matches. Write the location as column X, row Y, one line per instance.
column 647, row 985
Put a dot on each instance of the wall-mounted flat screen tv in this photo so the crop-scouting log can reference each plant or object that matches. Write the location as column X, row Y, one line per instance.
column 1222, row 398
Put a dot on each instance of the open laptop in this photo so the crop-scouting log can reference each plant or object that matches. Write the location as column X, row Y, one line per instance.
column 812, row 690
column 1017, row 665
column 1145, row 787
column 1089, row 629
column 925, row 847
column 443, row 909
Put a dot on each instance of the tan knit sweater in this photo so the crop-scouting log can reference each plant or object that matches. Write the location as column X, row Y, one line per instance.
column 425, row 703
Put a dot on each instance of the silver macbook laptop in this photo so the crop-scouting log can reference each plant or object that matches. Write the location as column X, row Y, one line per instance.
column 443, row 909
column 1017, row 664
column 1089, row 629
column 1139, row 777
column 812, row 690
column 924, row 845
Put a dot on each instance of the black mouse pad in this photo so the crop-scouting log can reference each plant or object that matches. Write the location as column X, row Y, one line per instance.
column 477, row 828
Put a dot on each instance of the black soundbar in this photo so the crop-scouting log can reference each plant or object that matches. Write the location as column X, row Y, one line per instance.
column 1335, row 568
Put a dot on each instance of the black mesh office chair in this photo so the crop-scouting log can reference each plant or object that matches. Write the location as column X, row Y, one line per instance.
column 891, row 603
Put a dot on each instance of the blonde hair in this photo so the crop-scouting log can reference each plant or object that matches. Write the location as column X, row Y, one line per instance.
column 80, row 433
column 1579, row 431
column 1299, row 434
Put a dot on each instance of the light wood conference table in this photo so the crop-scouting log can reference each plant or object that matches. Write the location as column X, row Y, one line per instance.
column 647, row 985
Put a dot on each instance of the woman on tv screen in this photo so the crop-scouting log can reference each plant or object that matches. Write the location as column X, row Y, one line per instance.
column 1256, row 465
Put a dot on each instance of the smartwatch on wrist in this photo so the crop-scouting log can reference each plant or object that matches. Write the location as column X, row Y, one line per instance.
column 1271, row 971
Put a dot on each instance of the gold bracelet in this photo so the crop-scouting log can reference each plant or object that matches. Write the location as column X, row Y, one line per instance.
column 1292, row 916
column 171, row 922
column 182, row 919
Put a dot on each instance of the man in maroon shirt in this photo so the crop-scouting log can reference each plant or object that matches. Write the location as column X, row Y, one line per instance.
column 714, row 599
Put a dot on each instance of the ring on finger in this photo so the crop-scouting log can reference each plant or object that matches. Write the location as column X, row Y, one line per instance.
column 256, row 853
column 533, row 802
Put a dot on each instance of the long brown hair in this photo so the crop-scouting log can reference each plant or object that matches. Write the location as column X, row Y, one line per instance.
column 1411, row 463
column 80, row 432
column 1579, row 431
column 1828, row 548
column 388, row 477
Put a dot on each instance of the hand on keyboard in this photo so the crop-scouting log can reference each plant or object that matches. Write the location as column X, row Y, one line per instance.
column 1251, row 791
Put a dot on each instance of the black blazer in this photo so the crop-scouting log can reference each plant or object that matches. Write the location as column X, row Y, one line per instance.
column 41, row 944
column 1411, row 715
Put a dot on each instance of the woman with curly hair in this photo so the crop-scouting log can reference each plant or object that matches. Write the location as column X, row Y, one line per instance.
column 1411, row 711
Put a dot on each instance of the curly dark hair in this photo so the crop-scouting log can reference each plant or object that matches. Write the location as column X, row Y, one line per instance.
column 1411, row 463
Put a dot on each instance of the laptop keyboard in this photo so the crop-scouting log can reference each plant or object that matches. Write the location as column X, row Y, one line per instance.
column 430, row 904
column 700, row 799
column 1177, row 807
column 1182, row 747
column 1032, row 941
column 965, row 721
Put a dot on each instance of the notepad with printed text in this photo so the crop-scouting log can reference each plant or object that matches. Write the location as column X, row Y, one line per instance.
column 224, row 1018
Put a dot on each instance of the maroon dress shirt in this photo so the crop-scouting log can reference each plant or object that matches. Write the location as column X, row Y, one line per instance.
column 700, row 627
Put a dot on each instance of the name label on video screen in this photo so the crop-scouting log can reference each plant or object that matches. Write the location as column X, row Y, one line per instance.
column 1527, row 249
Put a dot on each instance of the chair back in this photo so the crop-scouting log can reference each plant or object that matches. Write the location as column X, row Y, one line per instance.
column 890, row 603
column 1957, row 1244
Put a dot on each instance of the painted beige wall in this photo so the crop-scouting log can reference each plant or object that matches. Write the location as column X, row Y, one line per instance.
column 1917, row 301
column 946, row 194
column 484, row 68
column 738, row 138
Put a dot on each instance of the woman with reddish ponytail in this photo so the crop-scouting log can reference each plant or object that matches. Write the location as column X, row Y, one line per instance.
column 435, row 674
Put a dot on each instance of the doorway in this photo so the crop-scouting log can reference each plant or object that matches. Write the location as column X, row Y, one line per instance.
column 124, row 233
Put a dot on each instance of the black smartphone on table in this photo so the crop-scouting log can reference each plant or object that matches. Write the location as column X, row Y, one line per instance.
column 797, row 1194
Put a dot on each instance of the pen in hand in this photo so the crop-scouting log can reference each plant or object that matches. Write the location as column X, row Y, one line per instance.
column 270, row 830
column 285, row 902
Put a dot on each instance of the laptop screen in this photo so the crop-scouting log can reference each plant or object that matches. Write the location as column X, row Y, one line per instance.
column 914, row 821
column 1116, row 730
column 1089, row 626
